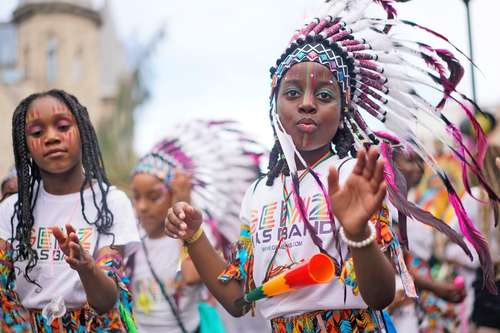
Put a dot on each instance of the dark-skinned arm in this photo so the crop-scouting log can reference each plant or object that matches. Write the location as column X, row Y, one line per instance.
column 353, row 204
column 101, row 290
column 182, row 222
column 375, row 275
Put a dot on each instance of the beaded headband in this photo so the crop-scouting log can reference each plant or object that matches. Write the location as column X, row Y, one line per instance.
column 157, row 164
column 315, row 53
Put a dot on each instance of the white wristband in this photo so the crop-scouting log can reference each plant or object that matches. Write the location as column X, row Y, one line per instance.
column 363, row 243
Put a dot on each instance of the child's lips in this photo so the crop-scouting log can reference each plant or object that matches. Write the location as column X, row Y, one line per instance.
column 307, row 126
column 54, row 153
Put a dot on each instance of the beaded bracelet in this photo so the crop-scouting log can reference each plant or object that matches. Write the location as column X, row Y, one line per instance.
column 363, row 243
column 197, row 234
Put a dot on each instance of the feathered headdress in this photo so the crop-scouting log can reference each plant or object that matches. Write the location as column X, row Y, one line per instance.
column 223, row 162
column 377, row 73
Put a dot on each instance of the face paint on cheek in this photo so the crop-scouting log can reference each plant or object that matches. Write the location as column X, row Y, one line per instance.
column 70, row 136
column 35, row 145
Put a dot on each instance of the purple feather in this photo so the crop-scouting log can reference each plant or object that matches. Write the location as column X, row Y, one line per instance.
column 411, row 210
column 482, row 141
column 390, row 10
column 397, row 183
column 475, row 238
column 437, row 34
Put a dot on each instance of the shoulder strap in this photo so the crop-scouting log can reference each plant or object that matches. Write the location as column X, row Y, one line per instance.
column 163, row 290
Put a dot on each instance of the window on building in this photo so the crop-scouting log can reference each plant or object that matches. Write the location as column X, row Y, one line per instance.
column 51, row 59
column 8, row 45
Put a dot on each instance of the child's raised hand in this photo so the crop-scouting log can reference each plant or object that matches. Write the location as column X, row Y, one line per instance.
column 76, row 256
column 181, row 186
column 182, row 221
column 361, row 195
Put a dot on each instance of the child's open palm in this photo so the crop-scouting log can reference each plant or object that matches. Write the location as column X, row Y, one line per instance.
column 69, row 244
column 361, row 195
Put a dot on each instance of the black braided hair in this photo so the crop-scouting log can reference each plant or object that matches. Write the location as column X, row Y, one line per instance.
column 29, row 176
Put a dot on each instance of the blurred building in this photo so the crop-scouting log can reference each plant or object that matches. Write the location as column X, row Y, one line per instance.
column 66, row 44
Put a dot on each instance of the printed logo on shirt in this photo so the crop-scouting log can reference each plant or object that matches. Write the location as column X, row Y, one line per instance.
column 266, row 220
column 267, row 230
column 149, row 294
column 44, row 242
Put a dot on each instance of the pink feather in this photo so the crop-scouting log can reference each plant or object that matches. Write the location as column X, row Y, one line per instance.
column 387, row 5
column 474, row 237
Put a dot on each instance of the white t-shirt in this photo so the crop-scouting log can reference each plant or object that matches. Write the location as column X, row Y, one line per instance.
column 261, row 211
column 153, row 313
column 54, row 275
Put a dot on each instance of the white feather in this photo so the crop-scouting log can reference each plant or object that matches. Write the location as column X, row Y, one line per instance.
column 356, row 10
column 382, row 43
column 337, row 7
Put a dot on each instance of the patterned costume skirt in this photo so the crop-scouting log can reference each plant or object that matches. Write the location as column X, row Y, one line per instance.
column 329, row 321
column 15, row 318
column 79, row 320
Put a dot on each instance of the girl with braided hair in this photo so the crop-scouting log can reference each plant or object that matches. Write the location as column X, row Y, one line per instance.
column 324, row 190
column 64, row 236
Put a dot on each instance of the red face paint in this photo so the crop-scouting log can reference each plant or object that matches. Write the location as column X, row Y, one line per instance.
column 52, row 135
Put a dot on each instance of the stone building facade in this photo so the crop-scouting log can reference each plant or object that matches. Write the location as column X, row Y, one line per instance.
column 58, row 44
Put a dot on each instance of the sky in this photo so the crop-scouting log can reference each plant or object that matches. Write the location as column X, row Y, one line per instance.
column 214, row 61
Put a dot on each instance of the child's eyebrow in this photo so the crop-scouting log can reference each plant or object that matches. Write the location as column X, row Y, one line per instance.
column 325, row 81
column 62, row 115
column 292, row 81
column 319, row 81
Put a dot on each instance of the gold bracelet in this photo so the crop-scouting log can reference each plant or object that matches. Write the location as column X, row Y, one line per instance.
column 197, row 234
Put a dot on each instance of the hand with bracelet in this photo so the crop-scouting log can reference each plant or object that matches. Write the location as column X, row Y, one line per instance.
column 353, row 204
column 184, row 222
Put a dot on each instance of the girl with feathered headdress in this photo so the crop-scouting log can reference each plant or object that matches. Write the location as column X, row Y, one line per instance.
column 324, row 191
column 198, row 163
